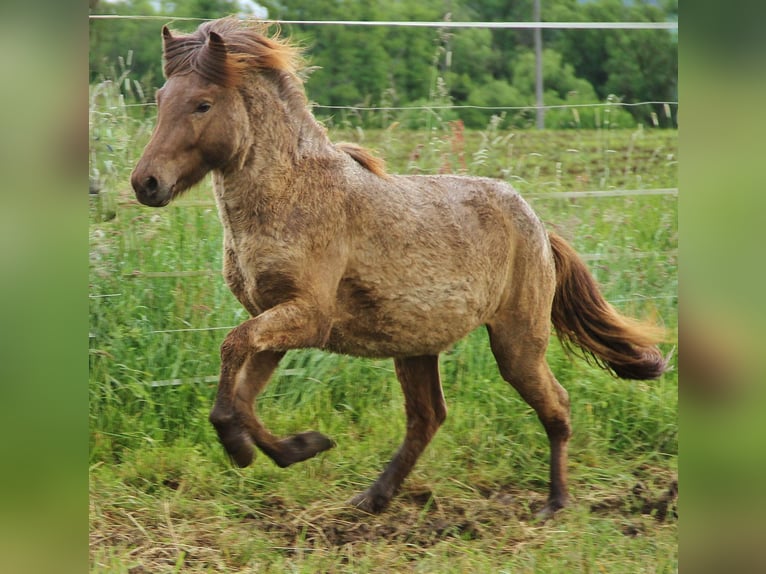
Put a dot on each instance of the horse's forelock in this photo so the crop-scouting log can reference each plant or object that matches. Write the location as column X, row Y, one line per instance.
column 223, row 50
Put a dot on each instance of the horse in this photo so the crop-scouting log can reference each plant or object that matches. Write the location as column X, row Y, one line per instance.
column 325, row 249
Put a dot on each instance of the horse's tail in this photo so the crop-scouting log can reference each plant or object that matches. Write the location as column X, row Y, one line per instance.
column 582, row 316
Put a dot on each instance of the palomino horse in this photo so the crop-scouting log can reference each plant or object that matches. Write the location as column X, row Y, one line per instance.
column 327, row 250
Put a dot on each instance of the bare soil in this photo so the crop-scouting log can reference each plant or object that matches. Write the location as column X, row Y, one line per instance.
column 418, row 518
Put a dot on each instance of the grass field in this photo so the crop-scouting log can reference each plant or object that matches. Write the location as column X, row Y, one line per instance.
column 163, row 496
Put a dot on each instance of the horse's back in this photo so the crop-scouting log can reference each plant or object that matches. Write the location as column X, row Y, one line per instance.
column 460, row 223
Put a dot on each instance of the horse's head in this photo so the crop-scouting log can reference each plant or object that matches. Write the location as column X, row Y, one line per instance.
column 201, row 120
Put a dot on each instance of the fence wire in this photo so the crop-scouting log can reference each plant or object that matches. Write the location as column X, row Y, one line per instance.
column 421, row 24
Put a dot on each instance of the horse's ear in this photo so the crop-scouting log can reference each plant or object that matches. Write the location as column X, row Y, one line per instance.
column 167, row 38
column 215, row 61
column 215, row 43
column 216, row 48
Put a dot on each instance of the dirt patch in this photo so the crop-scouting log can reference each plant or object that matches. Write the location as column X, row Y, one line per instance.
column 642, row 500
column 415, row 517
column 420, row 519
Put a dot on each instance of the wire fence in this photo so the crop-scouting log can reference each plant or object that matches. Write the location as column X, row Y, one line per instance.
column 553, row 195
column 424, row 107
column 423, row 24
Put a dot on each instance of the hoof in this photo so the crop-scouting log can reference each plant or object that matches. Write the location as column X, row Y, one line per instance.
column 369, row 502
column 548, row 511
column 236, row 440
column 239, row 447
column 300, row 447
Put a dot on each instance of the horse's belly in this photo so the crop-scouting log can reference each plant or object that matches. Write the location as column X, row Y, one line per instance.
column 387, row 342
column 408, row 323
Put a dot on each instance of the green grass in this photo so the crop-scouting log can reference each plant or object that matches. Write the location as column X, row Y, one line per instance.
column 164, row 497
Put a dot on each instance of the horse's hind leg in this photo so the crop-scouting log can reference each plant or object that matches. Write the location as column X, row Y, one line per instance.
column 244, row 374
column 426, row 410
column 520, row 355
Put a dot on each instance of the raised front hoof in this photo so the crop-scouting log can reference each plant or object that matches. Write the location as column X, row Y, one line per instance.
column 300, row 447
column 369, row 502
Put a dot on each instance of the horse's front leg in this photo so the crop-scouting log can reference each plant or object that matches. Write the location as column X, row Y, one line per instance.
column 426, row 411
column 249, row 356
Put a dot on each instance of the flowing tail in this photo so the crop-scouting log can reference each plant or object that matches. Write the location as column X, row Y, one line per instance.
column 582, row 316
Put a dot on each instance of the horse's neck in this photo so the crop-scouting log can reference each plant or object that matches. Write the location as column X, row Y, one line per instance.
column 284, row 123
column 261, row 176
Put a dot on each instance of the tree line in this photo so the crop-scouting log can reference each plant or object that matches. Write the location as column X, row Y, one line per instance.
column 383, row 66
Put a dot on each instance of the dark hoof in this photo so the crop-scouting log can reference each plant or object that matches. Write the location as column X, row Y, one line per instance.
column 239, row 447
column 369, row 502
column 300, row 447
column 235, row 440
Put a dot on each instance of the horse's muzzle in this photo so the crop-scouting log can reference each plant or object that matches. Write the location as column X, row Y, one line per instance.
column 149, row 190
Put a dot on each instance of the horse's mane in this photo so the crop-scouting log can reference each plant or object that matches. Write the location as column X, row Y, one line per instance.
column 364, row 157
column 221, row 51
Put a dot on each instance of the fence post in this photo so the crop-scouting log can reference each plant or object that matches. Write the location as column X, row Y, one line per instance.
column 538, row 68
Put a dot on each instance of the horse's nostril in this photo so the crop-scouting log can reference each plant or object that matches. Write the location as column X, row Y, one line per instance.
column 151, row 184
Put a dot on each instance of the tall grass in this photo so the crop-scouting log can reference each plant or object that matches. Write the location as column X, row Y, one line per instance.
column 159, row 310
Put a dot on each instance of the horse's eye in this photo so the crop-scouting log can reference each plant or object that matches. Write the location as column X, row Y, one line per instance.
column 203, row 107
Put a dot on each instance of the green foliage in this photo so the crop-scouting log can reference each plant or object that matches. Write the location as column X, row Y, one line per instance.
column 114, row 39
column 495, row 93
column 425, row 114
column 392, row 66
column 608, row 116
column 640, row 65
